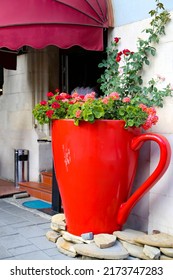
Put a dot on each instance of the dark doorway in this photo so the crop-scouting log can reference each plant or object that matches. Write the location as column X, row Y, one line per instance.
column 1, row 79
column 79, row 68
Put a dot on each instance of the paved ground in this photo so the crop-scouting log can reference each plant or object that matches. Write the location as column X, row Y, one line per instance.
column 22, row 233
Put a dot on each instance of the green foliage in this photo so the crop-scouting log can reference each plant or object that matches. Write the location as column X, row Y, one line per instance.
column 123, row 70
column 132, row 115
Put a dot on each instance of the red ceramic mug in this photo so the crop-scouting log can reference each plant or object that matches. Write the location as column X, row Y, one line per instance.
column 95, row 166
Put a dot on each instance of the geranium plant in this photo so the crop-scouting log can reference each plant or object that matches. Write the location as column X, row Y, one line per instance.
column 89, row 108
column 125, row 97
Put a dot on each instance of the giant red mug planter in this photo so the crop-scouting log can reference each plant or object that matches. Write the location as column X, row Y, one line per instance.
column 95, row 166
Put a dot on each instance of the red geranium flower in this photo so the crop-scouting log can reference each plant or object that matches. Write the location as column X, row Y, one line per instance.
column 56, row 105
column 43, row 102
column 49, row 113
column 58, row 97
column 50, row 94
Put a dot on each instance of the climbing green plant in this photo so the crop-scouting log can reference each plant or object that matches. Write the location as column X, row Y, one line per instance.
column 123, row 69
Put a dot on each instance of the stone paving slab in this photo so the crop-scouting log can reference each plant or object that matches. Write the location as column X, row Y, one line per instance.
column 10, row 219
column 31, row 231
column 59, row 257
column 52, row 251
column 4, row 253
column 56, row 255
column 2, row 223
column 14, row 241
column 42, row 242
column 23, row 250
column 34, row 218
column 22, row 224
column 23, row 233
column 39, row 255
column 4, row 204
column 45, row 226
column 6, row 230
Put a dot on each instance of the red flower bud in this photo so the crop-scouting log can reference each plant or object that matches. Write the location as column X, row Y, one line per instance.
column 118, row 58
column 57, row 90
column 116, row 40
column 119, row 53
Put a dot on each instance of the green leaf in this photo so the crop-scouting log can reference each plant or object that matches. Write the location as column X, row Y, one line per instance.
column 152, row 12
column 147, row 61
column 98, row 112
column 130, row 123
column 153, row 51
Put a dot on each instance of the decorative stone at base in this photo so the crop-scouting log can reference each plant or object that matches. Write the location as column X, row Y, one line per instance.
column 53, row 236
column 104, row 240
column 58, row 222
column 157, row 240
column 129, row 235
column 167, row 251
column 126, row 244
column 75, row 239
column 152, row 252
column 164, row 257
column 116, row 252
column 66, row 247
column 135, row 250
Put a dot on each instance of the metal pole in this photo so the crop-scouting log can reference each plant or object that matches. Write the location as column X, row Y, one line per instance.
column 56, row 199
column 16, row 178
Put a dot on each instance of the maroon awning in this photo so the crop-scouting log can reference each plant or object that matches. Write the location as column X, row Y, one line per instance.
column 64, row 23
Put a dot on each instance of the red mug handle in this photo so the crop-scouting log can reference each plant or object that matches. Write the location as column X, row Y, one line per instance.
column 165, row 155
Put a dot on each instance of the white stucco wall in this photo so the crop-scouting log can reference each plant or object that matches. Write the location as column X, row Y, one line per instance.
column 22, row 89
column 127, row 12
column 155, row 210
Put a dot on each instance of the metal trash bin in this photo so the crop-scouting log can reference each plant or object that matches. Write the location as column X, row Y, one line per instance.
column 21, row 163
